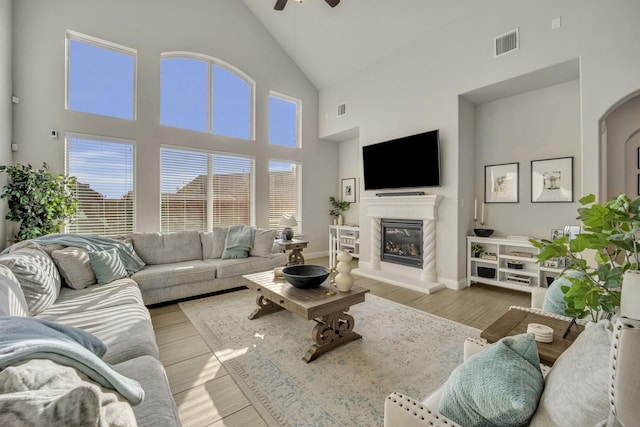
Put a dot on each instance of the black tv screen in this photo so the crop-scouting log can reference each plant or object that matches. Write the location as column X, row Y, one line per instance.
column 408, row 162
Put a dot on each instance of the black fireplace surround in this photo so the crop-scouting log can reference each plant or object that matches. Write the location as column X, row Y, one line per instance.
column 401, row 241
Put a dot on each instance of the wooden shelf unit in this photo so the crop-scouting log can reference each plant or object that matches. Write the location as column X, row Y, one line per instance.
column 508, row 250
column 343, row 238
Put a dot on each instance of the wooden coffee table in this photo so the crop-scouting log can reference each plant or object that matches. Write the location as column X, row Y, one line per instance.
column 334, row 327
column 515, row 322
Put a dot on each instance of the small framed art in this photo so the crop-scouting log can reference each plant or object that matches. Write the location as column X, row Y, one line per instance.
column 349, row 190
column 552, row 180
column 501, row 183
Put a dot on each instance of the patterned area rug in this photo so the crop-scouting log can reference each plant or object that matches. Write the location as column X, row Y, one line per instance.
column 402, row 349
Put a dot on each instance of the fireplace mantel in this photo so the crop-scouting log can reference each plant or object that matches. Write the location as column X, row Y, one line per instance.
column 423, row 208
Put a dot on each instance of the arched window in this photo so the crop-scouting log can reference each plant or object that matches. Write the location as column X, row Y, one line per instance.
column 206, row 94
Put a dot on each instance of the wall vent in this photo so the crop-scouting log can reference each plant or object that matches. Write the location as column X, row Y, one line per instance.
column 505, row 43
column 342, row 109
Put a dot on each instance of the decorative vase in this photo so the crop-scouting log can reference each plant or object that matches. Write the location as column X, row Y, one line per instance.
column 344, row 279
column 339, row 219
column 335, row 221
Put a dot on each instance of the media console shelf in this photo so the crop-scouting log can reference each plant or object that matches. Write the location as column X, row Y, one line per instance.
column 512, row 264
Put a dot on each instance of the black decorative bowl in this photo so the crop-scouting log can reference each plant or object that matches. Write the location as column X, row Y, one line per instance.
column 305, row 276
column 483, row 232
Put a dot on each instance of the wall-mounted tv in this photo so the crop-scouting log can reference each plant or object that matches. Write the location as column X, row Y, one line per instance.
column 408, row 162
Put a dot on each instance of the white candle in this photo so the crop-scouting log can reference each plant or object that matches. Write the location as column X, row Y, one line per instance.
column 475, row 210
column 482, row 219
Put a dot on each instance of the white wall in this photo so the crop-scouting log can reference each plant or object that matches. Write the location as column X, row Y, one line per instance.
column 349, row 165
column 224, row 29
column 621, row 125
column 5, row 99
column 417, row 88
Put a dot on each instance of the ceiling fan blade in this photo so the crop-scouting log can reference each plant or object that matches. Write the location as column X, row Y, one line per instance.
column 280, row 4
column 332, row 3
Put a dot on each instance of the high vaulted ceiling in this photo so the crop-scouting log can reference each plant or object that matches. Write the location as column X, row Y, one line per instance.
column 330, row 44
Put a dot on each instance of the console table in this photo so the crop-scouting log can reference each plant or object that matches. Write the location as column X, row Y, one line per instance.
column 296, row 247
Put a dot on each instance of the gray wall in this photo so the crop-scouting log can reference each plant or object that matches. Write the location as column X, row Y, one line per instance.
column 417, row 89
column 5, row 99
column 623, row 140
column 224, row 29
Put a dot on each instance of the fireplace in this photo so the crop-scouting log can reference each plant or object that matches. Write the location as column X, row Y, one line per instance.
column 401, row 241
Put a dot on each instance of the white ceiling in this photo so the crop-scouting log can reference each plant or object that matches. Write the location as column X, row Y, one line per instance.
column 329, row 44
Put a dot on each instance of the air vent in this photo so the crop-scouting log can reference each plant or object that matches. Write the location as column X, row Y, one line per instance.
column 507, row 42
column 342, row 109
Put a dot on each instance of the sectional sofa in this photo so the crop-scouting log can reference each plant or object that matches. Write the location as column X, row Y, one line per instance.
column 91, row 287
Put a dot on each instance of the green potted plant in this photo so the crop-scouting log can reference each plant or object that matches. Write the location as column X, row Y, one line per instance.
column 477, row 249
column 337, row 207
column 610, row 238
column 41, row 202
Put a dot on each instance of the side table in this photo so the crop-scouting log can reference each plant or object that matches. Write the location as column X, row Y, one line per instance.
column 515, row 322
column 296, row 247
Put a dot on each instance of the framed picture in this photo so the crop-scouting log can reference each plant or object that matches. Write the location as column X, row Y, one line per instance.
column 571, row 231
column 501, row 183
column 639, row 184
column 638, row 157
column 552, row 180
column 556, row 233
column 349, row 190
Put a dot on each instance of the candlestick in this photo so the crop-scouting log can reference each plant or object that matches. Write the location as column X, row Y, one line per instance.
column 475, row 210
column 482, row 219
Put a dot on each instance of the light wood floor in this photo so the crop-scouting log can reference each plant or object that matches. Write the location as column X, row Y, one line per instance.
column 206, row 394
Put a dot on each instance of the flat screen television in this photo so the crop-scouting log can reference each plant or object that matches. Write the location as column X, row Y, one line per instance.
column 408, row 162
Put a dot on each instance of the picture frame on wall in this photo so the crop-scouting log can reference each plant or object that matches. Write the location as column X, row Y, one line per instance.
column 552, row 180
column 639, row 184
column 501, row 183
column 556, row 233
column 349, row 190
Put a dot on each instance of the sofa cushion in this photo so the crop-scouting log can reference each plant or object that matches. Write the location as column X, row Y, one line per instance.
column 262, row 242
column 158, row 408
column 240, row 266
column 74, row 266
column 233, row 253
column 177, row 273
column 37, row 275
column 165, row 248
column 581, row 374
column 499, row 386
column 213, row 242
column 107, row 266
column 12, row 302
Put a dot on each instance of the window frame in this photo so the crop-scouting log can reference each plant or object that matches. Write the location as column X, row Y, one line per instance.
column 298, row 104
column 105, row 44
column 211, row 61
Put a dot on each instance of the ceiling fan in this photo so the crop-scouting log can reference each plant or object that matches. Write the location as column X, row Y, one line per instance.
column 280, row 4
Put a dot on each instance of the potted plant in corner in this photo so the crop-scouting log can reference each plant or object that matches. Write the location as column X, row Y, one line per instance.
column 611, row 234
column 40, row 202
column 337, row 207
column 477, row 249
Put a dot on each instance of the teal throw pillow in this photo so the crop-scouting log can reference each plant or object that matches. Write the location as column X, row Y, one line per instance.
column 107, row 266
column 554, row 297
column 500, row 386
column 235, row 253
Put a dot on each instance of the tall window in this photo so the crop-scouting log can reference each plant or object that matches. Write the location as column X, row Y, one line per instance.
column 284, row 120
column 201, row 190
column 100, row 77
column 284, row 191
column 105, row 187
column 205, row 94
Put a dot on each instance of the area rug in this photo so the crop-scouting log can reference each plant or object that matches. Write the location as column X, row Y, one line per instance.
column 402, row 349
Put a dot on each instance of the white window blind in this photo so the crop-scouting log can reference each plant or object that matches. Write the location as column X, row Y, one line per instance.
column 105, row 187
column 201, row 190
column 284, row 192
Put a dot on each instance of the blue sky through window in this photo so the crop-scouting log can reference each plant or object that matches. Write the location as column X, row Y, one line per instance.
column 231, row 110
column 282, row 122
column 183, row 93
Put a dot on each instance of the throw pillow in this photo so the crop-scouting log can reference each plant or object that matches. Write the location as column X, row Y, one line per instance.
column 576, row 389
column 75, row 267
column 107, row 266
column 235, row 253
column 499, row 386
column 12, row 302
column 554, row 297
column 262, row 242
column 37, row 274
column 213, row 242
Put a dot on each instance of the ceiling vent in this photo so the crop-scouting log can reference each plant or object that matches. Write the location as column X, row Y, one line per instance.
column 342, row 109
column 505, row 43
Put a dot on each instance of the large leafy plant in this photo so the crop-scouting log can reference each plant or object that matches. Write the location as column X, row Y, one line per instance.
column 611, row 236
column 40, row 201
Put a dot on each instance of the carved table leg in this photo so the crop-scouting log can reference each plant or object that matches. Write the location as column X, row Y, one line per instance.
column 295, row 257
column 331, row 331
column 265, row 307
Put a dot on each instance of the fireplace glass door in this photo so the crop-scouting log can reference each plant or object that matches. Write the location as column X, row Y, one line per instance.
column 401, row 242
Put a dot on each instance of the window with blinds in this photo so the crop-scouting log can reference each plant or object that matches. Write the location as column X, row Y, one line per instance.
column 200, row 190
column 105, row 188
column 284, row 192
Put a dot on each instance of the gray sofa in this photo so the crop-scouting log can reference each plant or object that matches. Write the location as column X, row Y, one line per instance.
column 65, row 284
